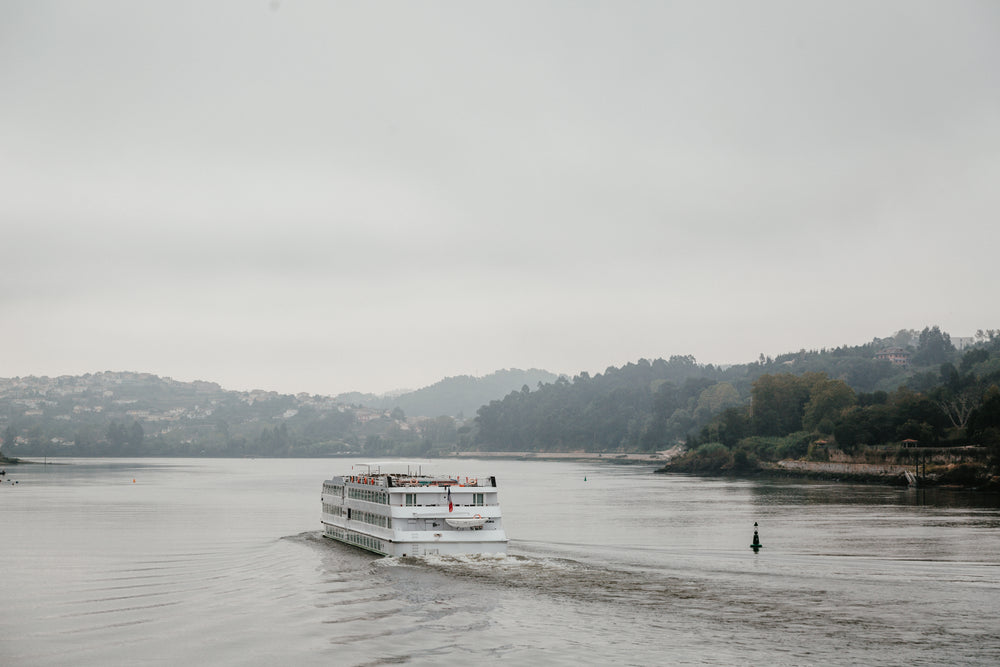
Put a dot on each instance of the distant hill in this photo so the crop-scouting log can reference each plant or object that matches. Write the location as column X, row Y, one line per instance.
column 642, row 406
column 459, row 396
column 650, row 406
column 140, row 414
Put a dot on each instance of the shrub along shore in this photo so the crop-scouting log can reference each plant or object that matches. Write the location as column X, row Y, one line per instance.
column 966, row 467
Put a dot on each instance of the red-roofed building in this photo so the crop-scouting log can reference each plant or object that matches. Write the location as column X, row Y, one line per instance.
column 896, row 356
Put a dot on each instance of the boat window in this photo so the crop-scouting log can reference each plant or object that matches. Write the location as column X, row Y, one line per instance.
column 411, row 499
column 477, row 499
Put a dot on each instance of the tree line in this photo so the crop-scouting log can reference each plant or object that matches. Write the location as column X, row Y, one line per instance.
column 846, row 396
column 812, row 414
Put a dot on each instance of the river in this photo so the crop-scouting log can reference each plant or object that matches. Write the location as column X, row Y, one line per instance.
column 209, row 561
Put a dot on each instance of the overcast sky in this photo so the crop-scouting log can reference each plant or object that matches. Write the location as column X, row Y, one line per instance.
column 336, row 196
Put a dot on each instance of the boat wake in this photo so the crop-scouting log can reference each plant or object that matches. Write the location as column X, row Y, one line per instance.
column 554, row 576
column 545, row 575
column 307, row 537
column 541, row 574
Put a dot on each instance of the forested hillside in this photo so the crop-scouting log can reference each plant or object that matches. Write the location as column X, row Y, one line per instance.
column 910, row 386
column 855, row 395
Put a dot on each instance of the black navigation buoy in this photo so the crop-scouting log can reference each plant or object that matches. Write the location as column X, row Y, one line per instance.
column 755, row 545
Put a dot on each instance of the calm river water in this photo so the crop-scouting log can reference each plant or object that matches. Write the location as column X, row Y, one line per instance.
column 221, row 562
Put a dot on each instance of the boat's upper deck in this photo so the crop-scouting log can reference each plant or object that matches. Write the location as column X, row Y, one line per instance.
column 373, row 489
column 429, row 482
column 412, row 478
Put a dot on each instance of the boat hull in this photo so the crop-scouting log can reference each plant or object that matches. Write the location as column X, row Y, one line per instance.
column 429, row 546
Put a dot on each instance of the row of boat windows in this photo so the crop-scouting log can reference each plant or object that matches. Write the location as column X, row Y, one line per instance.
column 478, row 499
column 351, row 537
column 340, row 510
column 370, row 517
column 369, row 495
column 357, row 515
column 382, row 497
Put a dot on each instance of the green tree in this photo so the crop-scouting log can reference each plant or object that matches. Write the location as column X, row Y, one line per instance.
column 905, row 338
column 973, row 357
column 733, row 426
column 933, row 348
column 718, row 397
column 439, row 431
column 9, row 435
column 117, row 436
column 984, row 423
column 777, row 403
column 984, row 426
column 827, row 400
column 135, row 435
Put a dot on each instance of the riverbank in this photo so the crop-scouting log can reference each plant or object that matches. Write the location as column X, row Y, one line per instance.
column 965, row 476
column 858, row 473
column 655, row 457
column 776, row 471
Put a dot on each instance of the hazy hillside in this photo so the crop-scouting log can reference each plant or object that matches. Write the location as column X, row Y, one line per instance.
column 649, row 406
column 140, row 414
column 855, row 395
column 459, row 396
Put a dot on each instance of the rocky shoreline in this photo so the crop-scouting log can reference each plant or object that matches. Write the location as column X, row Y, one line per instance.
column 966, row 476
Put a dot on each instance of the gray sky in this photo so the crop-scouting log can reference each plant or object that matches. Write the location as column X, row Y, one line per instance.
column 335, row 196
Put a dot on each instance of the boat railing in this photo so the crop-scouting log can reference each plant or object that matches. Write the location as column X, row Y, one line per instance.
column 461, row 481
column 401, row 480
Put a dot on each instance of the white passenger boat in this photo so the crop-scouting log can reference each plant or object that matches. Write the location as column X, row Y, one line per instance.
column 407, row 513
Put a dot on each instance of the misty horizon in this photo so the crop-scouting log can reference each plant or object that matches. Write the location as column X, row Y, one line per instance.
column 344, row 197
column 398, row 391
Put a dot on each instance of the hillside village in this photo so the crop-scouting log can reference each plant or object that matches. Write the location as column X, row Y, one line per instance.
column 74, row 414
column 139, row 414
